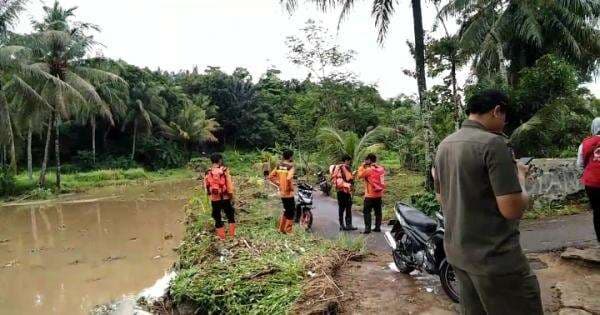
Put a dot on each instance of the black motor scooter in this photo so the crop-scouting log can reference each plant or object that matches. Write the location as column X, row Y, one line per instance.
column 304, row 205
column 417, row 242
column 324, row 184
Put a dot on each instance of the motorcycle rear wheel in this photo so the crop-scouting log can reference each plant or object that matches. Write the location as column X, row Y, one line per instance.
column 449, row 282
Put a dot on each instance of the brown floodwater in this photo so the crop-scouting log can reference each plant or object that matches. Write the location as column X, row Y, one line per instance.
column 69, row 255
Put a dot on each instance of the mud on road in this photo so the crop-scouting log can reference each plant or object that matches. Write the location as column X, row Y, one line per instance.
column 373, row 286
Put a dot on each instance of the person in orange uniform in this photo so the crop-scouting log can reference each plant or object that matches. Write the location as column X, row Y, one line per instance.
column 373, row 175
column 341, row 176
column 219, row 188
column 283, row 176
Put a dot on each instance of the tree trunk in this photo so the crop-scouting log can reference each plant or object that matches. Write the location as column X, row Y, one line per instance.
column 455, row 96
column 29, row 155
column 134, row 136
column 57, row 151
column 42, row 180
column 105, row 138
column 9, row 128
column 422, row 86
column 93, row 123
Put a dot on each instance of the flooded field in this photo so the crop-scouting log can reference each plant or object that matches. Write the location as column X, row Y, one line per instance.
column 68, row 255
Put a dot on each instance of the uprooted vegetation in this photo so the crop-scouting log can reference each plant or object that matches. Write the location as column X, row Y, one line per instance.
column 259, row 272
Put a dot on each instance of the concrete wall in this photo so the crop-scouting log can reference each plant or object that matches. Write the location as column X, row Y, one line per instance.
column 554, row 179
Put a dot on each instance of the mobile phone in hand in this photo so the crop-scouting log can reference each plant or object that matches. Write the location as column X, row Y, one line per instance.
column 526, row 160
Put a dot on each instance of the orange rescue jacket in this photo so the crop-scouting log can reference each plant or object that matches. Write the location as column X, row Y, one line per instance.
column 218, row 183
column 342, row 178
column 283, row 176
column 364, row 171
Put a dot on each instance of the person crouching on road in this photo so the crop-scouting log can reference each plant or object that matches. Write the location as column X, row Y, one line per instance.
column 283, row 176
column 342, row 179
column 373, row 175
column 219, row 188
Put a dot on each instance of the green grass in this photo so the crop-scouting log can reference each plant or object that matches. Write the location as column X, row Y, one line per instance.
column 553, row 209
column 81, row 181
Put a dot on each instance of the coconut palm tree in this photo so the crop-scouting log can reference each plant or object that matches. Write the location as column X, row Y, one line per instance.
column 146, row 109
column 115, row 97
column 522, row 31
column 338, row 143
column 31, row 110
column 9, row 12
column 59, row 46
column 382, row 11
column 12, row 58
column 192, row 126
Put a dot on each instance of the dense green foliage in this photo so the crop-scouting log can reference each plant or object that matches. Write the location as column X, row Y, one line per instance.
column 101, row 113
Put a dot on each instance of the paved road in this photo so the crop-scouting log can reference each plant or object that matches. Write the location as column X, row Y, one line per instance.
column 326, row 223
column 539, row 235
column 559, row 232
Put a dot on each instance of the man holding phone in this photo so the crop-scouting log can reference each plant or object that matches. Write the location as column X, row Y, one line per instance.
column 481, row 189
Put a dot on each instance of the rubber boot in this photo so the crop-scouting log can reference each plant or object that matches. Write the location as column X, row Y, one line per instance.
column 221, row 233
column 232, row 230
column 281, row 225
column 289, row 226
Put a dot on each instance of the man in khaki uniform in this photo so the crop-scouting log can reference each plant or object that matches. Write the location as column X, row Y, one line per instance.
column 481, row 190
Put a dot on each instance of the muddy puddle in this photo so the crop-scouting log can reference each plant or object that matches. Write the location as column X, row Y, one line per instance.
column 70, row 254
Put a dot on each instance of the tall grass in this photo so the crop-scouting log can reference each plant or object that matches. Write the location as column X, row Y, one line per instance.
column 80, row 181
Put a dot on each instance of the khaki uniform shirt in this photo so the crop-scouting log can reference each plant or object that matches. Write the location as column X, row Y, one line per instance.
column 472, row 167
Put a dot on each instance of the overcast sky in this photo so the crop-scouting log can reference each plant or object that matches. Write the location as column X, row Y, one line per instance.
column 181, row 34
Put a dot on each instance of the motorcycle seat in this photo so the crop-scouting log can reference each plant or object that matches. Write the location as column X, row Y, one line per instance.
column 416, row 218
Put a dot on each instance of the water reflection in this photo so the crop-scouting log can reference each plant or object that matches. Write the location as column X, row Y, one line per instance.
column 66, row 258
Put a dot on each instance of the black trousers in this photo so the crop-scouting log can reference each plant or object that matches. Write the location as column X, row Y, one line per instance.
column 372, row 204
column 225, row 206
column 289, row 207
column 344, row 207
column 594, row 197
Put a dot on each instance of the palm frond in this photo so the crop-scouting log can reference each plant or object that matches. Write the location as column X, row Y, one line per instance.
column 52, row 40
column 85, row 88
column 346, row 7
column 382, row 11
column 527, row 25
column 11, row 56
column 97, row 77
column 29, row 95
column 143, row 117
column 455, row 7
column 539, row 123
column 332, row 136
column 9, row 14
column 290, row 5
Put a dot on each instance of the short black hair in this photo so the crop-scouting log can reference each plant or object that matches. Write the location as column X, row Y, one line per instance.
column 216, row 158
column 371, row 157
column 287, row 154
column 486, row 100
column 346, row 157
